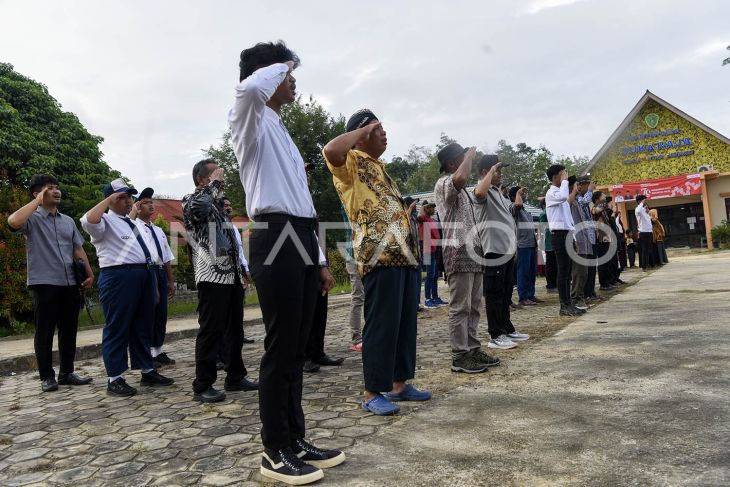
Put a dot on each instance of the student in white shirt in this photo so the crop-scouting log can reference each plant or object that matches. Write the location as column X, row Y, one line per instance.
column 144, row 208
column 278, row 200
column 646, row 254
column 557, row 202
column 127, row 288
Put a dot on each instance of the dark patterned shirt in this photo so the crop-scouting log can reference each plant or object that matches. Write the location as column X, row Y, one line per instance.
column 215, row 255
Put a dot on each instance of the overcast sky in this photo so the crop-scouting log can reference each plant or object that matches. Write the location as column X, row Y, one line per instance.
column 155, row 79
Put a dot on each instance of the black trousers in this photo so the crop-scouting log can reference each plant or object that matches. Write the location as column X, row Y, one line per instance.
column 560, row 239
column 287, row 285
column 590, row 288
column 605, row 271
column 551, row 269
column 55, row 306
column 498, row 286
column 646, row 247
column 220, row 312
column 389, row 334
column 631, row 250
column 315, row 343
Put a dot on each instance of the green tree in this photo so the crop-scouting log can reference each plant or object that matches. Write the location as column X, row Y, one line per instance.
column 38, row 137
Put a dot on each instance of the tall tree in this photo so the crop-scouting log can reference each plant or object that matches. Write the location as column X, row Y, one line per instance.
column 38, row 137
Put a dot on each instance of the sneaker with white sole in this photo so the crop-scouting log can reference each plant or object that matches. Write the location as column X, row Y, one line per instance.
column 430, row 304
column 285, row 466
column 502, row 342
column 317, row 457
column 516, row 336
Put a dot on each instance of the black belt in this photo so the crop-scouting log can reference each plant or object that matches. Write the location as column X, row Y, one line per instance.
column 298, row 221
column 126, row 266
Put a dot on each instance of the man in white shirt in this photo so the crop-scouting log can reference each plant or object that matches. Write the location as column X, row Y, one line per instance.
column 288, row 280
column 143, row 209
column 127, row 287
column 643, row 219
column 557, row 202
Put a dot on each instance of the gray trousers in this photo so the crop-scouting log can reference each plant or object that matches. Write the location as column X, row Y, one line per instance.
column 579, row 276
column 464, row 304
column 356, row 302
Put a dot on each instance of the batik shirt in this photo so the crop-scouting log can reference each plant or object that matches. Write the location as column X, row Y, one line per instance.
column 215, row 257
column 458, row 218
column 382, row 232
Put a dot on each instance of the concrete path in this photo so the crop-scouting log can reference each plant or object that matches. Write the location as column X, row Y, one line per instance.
column 637, row 392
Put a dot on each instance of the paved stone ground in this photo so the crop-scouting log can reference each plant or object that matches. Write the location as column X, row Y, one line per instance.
column 81, row 436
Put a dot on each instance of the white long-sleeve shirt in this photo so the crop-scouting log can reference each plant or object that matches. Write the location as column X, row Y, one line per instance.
column 558, row 209
column 116, row 242
column 643, row 218
column 272, row 169
column 244, row 262
column 271, row 166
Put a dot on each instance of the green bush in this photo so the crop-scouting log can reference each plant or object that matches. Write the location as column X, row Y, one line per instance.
column 15, row 299
column 721, row 234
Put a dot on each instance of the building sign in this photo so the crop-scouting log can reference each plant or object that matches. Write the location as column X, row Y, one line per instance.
column 668, row 146
column 672, row 187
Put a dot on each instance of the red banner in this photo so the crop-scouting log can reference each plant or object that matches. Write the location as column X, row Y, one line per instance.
column 676, row 186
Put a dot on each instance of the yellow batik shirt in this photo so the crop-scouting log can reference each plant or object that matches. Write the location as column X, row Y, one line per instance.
column 382, row 234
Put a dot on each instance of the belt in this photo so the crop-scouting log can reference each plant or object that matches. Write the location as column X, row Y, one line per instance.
column 298, row 221
column 126, row 266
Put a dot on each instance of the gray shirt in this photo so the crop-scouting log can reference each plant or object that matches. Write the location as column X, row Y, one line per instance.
column 582, row 237
column 50, row 244
column 525, row 229
column 497, row 230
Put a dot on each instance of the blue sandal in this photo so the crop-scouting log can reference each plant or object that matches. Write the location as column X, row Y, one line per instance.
column 381, row 406
column 409, row 393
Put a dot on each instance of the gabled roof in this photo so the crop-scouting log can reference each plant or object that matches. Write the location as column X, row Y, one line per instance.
column 635, row 111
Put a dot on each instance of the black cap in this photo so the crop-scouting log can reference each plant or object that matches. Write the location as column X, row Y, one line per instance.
column 359, row 119
column 489, row 160
column 449, row 153
column 146, row 193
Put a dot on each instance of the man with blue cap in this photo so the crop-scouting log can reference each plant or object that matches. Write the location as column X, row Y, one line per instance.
column 127, row 287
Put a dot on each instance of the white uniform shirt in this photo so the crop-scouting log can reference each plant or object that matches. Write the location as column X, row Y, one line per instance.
column 244, row 262
column 166, row 251
column 115, row 241
column 558, row 209
column 643, row 218
column 271, row 167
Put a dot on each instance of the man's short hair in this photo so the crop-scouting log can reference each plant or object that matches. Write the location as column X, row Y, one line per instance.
column 38, row 181
column 554, row 170
column 640, row 198
column 265, row 54
column 596, row 196
column 200, row 169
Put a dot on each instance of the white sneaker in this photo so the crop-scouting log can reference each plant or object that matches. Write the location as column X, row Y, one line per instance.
column 502, row 342
column 516, row 336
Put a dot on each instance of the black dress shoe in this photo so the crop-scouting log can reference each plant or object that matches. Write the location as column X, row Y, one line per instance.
column 243, row 385
column 72, row 379
column 209, row 395
column 310, row 366
column 247, row 340
column 162, row 359
column 568, row 311
column 49, row 385
column 327, row 360
column 578, row 311
column 155, row 379
column 119, row 387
